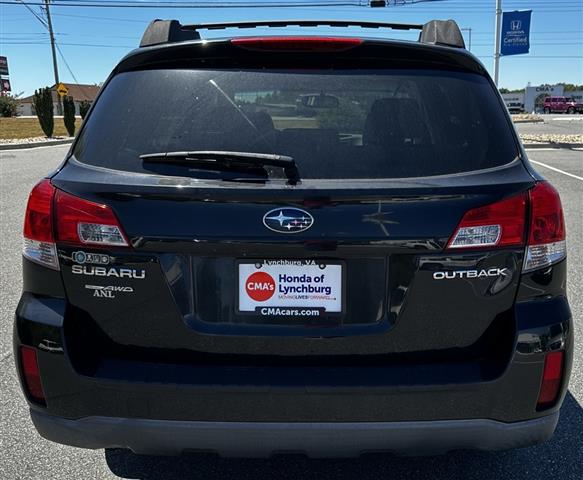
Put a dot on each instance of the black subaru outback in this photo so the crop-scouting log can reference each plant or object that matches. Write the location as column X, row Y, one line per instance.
column 326, row 245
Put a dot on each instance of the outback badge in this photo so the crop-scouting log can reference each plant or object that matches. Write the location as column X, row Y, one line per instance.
column 288, row 220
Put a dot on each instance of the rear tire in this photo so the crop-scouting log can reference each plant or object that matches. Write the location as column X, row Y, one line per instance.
column 570, row 110
column 547, row 110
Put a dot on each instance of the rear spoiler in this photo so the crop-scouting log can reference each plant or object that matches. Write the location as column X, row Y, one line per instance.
column 434, row 32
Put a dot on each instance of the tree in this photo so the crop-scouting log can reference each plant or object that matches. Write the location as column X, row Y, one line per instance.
column 8, row 106
column 43, row 105
column 84, row 107
column 69, row 115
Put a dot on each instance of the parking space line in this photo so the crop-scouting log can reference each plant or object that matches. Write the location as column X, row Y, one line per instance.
column 556, row 170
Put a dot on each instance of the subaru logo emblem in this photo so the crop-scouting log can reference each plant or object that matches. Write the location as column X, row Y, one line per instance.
column 288, row 220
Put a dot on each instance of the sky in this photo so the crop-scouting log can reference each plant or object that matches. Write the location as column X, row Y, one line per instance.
column 92, row 40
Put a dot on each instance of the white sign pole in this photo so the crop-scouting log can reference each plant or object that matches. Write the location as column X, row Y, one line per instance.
column 497, row 40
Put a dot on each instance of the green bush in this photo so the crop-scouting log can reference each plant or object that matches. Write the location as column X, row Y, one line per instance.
column 69, row 115
column 43, row 106
column 84, row 107
column 7, row 106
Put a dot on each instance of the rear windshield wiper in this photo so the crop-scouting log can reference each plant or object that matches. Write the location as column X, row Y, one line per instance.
column 221, row 160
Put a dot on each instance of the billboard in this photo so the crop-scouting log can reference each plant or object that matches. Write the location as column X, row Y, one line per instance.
column 3, row 66
column 515, row 32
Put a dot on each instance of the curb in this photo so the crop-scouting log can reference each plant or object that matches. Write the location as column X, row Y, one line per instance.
column 532, row 146
column 21, row 146
column 528, row 121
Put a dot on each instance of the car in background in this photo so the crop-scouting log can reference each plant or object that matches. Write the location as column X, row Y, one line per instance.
column 515, row 107
column 562, row 105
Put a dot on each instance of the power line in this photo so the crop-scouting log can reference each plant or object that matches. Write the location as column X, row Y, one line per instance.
column 185, row 5
column 70, row 44
column 38, row 17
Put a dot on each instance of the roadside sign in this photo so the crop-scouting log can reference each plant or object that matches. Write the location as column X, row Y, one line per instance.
column 3, row 66
column 6, row 85
column 515, row 32
column 62, row 90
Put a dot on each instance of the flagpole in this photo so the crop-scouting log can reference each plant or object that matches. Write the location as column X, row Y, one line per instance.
column 497, row 41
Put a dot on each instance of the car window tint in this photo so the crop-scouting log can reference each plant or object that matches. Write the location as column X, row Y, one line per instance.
column 335, row 124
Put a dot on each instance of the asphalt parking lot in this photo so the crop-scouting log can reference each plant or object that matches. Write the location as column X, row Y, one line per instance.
column 553, row 124
column 25, row 455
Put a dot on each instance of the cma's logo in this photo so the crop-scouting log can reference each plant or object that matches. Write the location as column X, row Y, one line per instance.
column 516, row 25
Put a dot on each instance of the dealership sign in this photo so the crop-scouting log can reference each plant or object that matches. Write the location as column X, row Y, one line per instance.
column 6, row 85
column 3, row 66
column 294, row 287
column 515, row 32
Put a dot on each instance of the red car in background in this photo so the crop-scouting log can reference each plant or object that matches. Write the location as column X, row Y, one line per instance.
column 562, row 105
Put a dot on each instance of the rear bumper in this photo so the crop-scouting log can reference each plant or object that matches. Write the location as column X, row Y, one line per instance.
column 319, row 410
column 253, row 439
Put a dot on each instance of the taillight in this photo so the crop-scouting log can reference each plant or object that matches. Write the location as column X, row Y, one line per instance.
column 39, row 243
column 551, row 381
column 31, row 374
column 546, row 239
column 297, row 44
column 499, row 224
column 55, row 216
column 81, row 221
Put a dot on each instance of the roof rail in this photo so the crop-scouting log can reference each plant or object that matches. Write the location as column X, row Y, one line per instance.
column 166, row 31
column 436, row 32
column 442, row 32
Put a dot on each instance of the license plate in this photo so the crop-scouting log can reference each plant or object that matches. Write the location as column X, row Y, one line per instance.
column 290, row 287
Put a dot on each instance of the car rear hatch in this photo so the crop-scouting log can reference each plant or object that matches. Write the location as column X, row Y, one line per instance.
column 237, row 263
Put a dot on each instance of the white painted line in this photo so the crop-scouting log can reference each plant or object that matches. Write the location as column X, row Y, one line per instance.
column 557, row 170
column 566, row 119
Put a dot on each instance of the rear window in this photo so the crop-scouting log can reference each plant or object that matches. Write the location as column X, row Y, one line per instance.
column 335, row 124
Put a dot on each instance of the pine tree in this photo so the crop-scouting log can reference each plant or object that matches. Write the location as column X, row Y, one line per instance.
column 84, row 107
column 43, row 105
column 69, row 115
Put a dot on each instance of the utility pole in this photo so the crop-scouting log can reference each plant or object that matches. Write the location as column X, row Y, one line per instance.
column 497, row 41
column 55, row 67
column 469, row 30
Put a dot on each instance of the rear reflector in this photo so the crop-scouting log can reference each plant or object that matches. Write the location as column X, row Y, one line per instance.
column 39, row 243
column 551, row 382
column 31, row 374
column 297, row 44
column 499, row 224
column 546, row 239
column 80, row 221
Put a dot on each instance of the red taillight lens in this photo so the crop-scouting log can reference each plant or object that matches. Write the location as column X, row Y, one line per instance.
column 297, row 44
column 546, row 238
column 499, row 224
column 31, row 374
column 552, row 377
column 38, row 222
column 81, row 221
column 39, row 243
column 547, row 223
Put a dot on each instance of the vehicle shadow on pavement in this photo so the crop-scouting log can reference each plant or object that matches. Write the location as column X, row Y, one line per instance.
column 561, row 457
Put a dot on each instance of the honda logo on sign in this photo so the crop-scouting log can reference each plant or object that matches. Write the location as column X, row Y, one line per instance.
column 515, row 32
